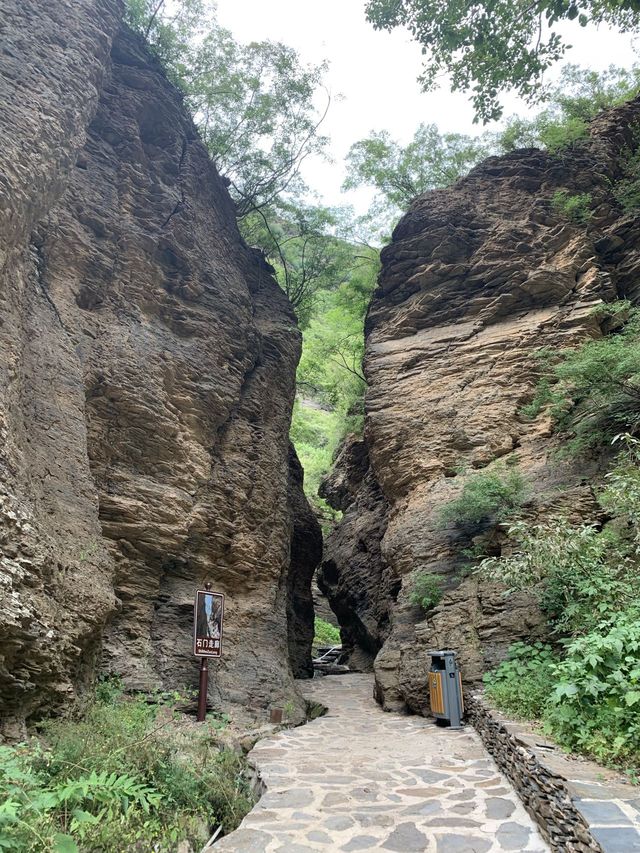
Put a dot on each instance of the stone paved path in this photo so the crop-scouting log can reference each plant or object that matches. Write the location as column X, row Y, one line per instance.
column 360, row 779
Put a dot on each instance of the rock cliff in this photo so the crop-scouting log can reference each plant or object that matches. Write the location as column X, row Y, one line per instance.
column 478, row 277
column 147, row 364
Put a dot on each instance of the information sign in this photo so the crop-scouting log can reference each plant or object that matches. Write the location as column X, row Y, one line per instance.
column 208, row 618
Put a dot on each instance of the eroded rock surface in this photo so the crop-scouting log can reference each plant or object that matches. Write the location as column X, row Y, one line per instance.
column 477, row 279
column 148, row 365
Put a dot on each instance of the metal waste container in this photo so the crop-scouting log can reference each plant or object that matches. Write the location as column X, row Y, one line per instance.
column 445, row 688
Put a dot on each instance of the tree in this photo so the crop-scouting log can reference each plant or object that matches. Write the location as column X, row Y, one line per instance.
column 330, row 380
column 579, row 95
column 169, row 28
column 302, row 243
column 331, row 364
column 400, row 173
column 254, row 104
column 490, row 46
column 255, row 107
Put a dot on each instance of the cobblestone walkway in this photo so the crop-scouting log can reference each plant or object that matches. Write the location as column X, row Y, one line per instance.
column 361, row 779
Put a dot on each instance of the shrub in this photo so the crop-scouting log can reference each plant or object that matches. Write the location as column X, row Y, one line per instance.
column 621, row 494
column 576, row 208
column 326, row 634
column 488, row 496
column 627, row 188
column 589, row 700
column 427, row 590
column 595, row 706
column 588, row 583
column 126, row 774
column 582, row 575
column 520, row 684
column 593, row 391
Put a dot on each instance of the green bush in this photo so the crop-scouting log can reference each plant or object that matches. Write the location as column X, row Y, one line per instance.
column 488, row 496
column 588, row 584
column 127, row 775
column 574, row 100
column 326, row 634
column 582, row 575
column 520, row 684
column 426, row 590
column 627, row 188
column 593, row 392
column 589, row 700
column 575, row 207
column 595, row 705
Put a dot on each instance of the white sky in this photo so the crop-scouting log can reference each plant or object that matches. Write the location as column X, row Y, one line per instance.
column 376, row 72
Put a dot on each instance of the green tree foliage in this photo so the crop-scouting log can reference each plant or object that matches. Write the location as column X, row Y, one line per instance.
column 302, row 244
column 579, row 96
column 401, row 173
column 255, row 107
column 125, row 776
column 490, row 47
column 258, row 109
column 330, row 379
column 316, row 433
column 170, row 29
column 593, row 391
column 254, row 104
column 489, row 496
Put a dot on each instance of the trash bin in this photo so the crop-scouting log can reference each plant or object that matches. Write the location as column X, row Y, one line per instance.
column 445, row 688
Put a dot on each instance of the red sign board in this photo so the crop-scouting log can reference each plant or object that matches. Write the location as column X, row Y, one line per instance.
column 207, row 628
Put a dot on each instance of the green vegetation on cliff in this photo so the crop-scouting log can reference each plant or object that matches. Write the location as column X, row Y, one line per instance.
column 330, row 380
column 325, row 634
column 592, row 393
column 488, row 496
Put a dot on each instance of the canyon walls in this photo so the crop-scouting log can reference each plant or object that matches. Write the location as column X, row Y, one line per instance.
column 478, row 278
column 147, row 362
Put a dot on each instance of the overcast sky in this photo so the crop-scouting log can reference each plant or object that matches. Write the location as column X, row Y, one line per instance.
column 376, row 72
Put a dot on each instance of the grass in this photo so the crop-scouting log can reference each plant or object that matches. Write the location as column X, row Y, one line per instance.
column 129, row 774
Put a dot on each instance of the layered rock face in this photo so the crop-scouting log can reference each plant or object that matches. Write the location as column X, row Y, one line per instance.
column 477, row 279
column 148, row 367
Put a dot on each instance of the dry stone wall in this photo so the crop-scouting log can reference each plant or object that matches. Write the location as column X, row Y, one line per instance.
column 477, row 279
column 147, row 362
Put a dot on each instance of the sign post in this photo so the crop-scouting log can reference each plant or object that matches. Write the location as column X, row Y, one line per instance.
column 207, row 638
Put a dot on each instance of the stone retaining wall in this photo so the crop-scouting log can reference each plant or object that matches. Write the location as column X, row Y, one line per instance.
column 544, row 794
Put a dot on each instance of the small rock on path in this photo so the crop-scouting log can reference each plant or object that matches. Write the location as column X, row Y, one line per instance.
column 362, row 779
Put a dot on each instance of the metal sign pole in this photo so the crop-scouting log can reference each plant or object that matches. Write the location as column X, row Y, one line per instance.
column 202, row 695
column 204, row 683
